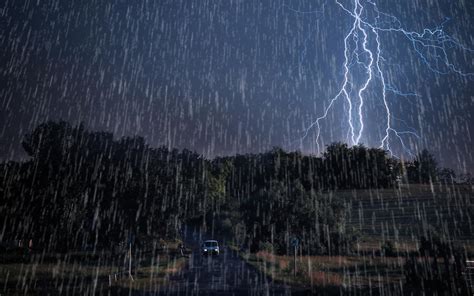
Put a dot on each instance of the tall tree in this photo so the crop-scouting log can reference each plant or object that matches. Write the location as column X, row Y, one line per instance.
column 426, row 166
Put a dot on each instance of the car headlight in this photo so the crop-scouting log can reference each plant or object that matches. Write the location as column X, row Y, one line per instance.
column 205, row 250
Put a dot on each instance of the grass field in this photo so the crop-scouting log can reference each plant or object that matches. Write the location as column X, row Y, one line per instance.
column 400, row 216
column 82, row 273
column 405, row 214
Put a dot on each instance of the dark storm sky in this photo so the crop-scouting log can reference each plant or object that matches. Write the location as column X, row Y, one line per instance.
column 223, row 77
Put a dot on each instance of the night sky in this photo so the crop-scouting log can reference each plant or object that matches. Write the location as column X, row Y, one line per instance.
column 230, row 76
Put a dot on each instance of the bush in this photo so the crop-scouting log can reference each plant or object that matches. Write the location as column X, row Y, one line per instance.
column 388, row 249
column 436, row 276
column 226, row 226
column 266, row 246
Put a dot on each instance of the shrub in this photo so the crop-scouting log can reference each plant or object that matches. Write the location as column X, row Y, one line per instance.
column 436, row 276
column 266, row 246
column 388, row 249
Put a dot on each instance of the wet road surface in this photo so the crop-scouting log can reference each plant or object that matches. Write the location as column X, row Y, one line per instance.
column 225, row 274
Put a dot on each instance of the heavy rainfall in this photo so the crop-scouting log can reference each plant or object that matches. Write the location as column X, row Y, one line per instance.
column 238, row 147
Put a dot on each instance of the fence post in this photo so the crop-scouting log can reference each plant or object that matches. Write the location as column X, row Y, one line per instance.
column 294, row 261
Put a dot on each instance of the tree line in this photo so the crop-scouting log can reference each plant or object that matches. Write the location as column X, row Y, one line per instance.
column 84, row 188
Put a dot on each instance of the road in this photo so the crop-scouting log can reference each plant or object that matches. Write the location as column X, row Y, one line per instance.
column 226, row 274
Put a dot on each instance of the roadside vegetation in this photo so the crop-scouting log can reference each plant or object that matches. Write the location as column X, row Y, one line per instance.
column 331, row 273
column 87, row 273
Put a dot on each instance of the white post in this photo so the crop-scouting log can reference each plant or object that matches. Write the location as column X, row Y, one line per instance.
column 130, row 262
column 294, row 262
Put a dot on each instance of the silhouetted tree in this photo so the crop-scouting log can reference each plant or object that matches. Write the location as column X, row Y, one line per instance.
column 426, row 167
column 446, row 176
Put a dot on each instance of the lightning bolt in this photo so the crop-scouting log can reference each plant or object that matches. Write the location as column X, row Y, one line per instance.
column 363, row 49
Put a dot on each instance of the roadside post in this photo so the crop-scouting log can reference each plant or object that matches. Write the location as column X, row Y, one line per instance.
column 131, row 239
column 294, row 242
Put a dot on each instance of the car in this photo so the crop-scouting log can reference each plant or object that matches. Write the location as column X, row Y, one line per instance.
column 210, row 247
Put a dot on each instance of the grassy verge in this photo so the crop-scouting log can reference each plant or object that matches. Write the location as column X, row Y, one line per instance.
column 345, row 272
column 83, row 273
column 150, row 278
